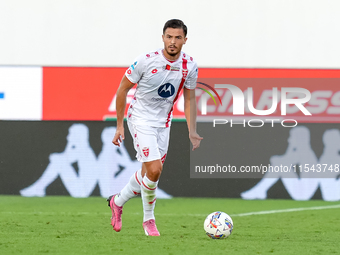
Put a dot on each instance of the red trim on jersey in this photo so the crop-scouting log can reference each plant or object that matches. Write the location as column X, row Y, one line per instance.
column 184, row 73
column 148, row 187
column 137, row 178
column 130, row 80
column 184, row 64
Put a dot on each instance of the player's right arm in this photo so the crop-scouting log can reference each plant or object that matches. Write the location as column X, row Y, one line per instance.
column 124, row 87
column 132, row 75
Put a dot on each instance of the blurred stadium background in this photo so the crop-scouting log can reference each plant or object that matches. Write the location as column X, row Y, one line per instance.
column 60, row 66
column 61, row 63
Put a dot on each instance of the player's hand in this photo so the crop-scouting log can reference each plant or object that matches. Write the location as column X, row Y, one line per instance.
column 119, row 136
column 195, row 139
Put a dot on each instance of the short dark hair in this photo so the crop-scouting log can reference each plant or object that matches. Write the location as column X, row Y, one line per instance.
column 176, row 23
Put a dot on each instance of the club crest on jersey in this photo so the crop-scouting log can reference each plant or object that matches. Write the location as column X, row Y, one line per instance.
column 146, row 151
column 166, row 90
column 185, row 73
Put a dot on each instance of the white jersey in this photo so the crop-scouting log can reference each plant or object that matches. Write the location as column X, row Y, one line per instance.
column 159, row 84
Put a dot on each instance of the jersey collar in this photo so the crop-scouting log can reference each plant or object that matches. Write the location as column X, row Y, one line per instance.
column 171, row 61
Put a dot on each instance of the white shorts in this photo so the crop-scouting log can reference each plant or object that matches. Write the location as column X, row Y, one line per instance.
column 151, row 143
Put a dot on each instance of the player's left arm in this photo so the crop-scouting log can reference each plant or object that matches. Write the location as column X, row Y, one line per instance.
column 190, row 112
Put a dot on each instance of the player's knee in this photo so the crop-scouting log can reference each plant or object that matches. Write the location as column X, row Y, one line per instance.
column 154, row 170
column 154, row 174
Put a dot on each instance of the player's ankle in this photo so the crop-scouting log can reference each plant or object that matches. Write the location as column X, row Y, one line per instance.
column 148, row 215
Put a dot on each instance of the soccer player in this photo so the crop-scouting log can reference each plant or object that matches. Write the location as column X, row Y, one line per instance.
column 160, row 75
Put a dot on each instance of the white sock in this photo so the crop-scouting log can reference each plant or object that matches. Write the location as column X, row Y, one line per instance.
column 149, row 198
column 131, row 189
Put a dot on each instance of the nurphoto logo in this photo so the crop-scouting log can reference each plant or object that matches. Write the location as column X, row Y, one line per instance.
column 238, row 97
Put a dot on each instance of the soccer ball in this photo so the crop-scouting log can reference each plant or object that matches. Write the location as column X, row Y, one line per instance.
column 218, row 225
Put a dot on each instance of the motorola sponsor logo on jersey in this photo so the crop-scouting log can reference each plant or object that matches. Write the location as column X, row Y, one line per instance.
column 165, row 91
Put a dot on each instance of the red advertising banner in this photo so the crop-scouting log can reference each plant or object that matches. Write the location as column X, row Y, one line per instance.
column 78, row 93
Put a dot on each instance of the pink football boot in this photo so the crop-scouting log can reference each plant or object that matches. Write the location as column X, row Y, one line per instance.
column 150, row 228
column 116, row 219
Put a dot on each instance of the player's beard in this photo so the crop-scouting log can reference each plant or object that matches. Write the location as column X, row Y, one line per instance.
column 172, row 54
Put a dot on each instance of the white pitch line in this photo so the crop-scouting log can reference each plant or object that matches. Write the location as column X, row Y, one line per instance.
column 184, row 214
column 265, row 212
column 287, row 210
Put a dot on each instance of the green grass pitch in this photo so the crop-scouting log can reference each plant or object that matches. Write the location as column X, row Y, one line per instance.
column 65, row 225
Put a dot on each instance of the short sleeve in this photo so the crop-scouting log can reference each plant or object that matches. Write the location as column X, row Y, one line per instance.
column 190, row 82
column 135, row 71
